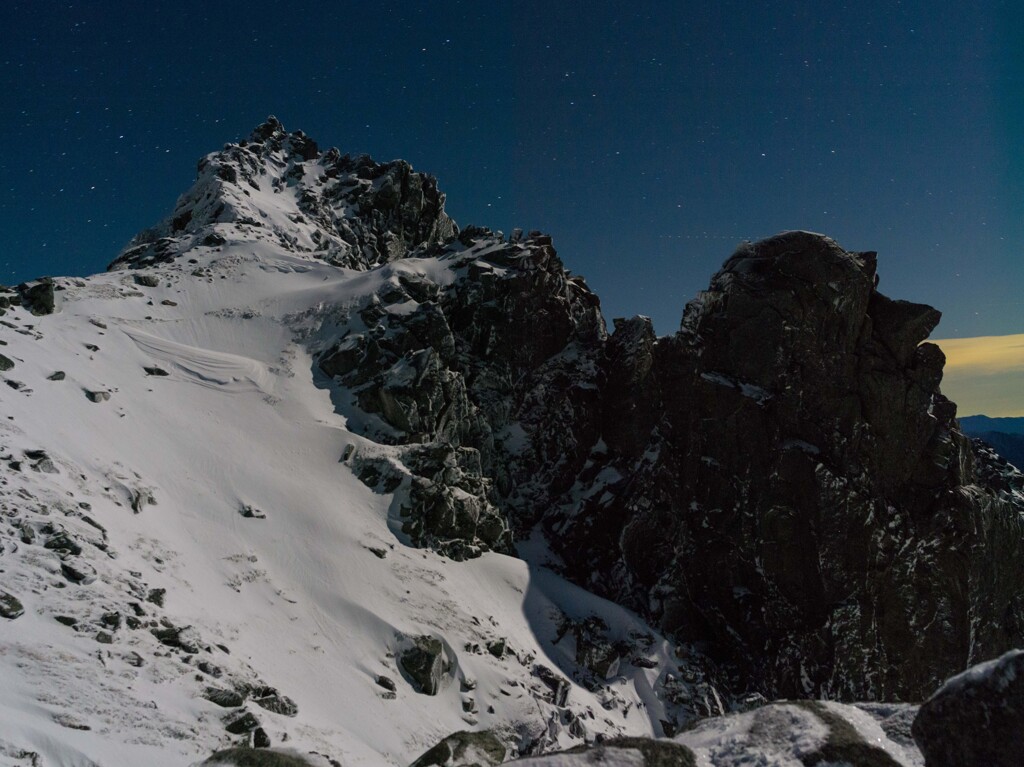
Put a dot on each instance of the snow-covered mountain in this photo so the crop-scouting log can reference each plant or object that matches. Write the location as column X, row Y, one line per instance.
column 311, row 466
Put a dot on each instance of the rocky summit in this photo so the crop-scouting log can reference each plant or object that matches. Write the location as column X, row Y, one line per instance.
column 315, row 471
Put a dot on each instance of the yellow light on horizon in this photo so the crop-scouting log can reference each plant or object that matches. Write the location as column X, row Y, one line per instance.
column 985, row 374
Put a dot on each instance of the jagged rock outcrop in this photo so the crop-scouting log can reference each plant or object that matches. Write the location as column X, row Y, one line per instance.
column 490, row 380
column 804, row 503
column 1010, row 447
column 996, row 473
column 277, row 186
column 781, row 480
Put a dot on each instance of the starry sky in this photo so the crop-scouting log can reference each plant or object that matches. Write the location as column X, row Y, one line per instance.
column 648, row 137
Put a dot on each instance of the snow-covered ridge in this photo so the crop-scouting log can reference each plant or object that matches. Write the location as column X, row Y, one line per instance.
column 264, row 477
column 199, row 528
column 278, row 187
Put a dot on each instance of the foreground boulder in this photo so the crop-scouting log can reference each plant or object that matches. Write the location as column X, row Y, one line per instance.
column 976, row 718
column 620, row 752
column 464, row 749
column 263, row 757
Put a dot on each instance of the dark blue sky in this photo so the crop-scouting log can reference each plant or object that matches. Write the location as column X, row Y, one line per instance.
column 648, row 138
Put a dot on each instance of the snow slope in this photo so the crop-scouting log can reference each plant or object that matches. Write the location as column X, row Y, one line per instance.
column 231, row 416
column 187, row 539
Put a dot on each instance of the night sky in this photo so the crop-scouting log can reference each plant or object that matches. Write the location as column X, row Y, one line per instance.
column 648, row 138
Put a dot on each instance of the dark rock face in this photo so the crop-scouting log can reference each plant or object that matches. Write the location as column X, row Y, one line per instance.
column 491, row 382
column 781, row 480
column 803, row 499
column 976, row 718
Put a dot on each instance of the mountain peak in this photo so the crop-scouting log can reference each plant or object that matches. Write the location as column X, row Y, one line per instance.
column 277, row 187
column 269, row 128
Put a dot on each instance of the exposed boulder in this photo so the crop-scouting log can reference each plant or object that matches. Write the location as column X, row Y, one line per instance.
column 258, row 757
column 272, row 700
column 426, row 663
column 183, row 638
column 10, row 606
column 620, row 752
column 63, row 542
column 976, row 718
column 464, row 749
column 77, row 571
column 224, row 698
column 38, row 296
column 245, row 723
column 843, row 743
column 557, row 685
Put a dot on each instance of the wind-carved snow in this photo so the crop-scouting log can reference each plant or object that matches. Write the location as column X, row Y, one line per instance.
column 221, row 370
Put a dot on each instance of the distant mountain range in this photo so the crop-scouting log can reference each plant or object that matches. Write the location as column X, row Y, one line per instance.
column 1006, row 435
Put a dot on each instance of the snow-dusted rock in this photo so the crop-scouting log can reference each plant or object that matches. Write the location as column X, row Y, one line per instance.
column 976, row 718
column 10, row 606
column 465, row 749
column 426, row 663
column 277, row 187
